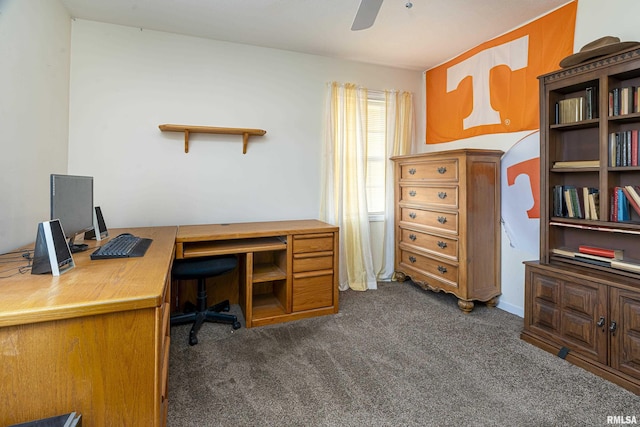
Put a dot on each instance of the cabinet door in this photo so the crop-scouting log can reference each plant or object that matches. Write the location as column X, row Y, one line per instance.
column 625, row 338
column 568, row 313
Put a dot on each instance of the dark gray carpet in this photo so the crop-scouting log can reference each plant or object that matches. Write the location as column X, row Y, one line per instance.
column 396, row 356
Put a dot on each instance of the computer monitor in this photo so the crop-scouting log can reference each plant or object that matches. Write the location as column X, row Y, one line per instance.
column 72, row 204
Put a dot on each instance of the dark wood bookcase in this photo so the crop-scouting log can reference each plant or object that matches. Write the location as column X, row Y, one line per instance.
column 587, row 313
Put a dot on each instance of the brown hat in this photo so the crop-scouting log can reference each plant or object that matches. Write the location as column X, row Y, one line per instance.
column 603, row 46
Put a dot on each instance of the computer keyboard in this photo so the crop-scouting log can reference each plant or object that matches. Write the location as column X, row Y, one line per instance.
column 122, row 246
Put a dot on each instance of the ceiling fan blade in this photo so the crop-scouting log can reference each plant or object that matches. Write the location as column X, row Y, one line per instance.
column 366, row 14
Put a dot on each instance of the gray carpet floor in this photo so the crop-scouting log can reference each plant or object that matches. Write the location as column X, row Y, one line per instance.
column 396, row 356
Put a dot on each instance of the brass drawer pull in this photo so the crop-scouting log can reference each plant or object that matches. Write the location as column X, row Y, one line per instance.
column 442, row 269
column 412, row 215
column 442, row 170
column 412, row 193
column 412, row 259
column 412, row 171
column 442, row 219
column 413, row 237
column 442, row 195
column 442, row 244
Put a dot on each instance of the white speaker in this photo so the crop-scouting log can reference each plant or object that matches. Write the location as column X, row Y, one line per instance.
column 51, row 254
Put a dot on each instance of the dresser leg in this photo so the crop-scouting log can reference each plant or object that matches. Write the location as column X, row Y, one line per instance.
column 492, row 302
column 400, row 276
column 465, row 306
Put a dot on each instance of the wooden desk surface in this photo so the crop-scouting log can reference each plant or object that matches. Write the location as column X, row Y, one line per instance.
column 92, row 287
column 244, row 230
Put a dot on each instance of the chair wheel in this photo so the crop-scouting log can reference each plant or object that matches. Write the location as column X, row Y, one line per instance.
column 193, row 340
column 236, row 325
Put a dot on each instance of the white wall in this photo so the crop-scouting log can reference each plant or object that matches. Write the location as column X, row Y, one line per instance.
column 126, row 81
column 595, row 18
column 34, row 99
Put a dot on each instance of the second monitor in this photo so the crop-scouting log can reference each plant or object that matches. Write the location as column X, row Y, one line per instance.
column 72, row 204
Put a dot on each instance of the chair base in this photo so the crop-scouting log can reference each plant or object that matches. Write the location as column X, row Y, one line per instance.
column 198, row 318
column 203, row 314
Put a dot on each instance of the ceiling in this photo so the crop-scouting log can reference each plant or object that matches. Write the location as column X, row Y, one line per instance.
column 417, row 38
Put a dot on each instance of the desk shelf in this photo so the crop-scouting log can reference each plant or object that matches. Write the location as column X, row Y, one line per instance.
column 189, row 129
column 268, row 273
column 267, row 306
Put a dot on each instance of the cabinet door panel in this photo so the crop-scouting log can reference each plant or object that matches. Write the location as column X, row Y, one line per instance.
column 567, row 313
column 625, row 340
column 545, row 310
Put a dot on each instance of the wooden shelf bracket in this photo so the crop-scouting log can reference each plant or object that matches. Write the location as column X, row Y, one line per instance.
column 189, row 129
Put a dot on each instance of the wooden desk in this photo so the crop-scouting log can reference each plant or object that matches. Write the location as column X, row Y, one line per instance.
column 288, row 269
column 94, row 340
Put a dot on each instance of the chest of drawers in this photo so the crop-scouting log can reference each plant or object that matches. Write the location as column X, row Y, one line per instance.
column 447, row 223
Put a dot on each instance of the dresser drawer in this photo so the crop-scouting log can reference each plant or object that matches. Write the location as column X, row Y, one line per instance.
column 442, row 221
column 442, row 246
column 312, row 243
column 431, row 267
column 444, row 196
column 436, row 170
column 312, row 261
column 312, row 290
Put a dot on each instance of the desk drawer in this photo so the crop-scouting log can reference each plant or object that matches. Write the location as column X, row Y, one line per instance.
column 431, row 267
column 443, row 221
column 303, row 243
column 437, row 170
column 312, row 261
column 312, row 290
column 442, row 246
column 445, row 196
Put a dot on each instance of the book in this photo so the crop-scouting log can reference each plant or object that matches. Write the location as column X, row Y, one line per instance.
column 564, row 252
column 631, row 200
column 590, row 260
column 586, row 258
column 626, row 265
column 577, row 164
column 633, row 193
column 594, row 205
column 585, row 200
column 634, row 147
column 591, row 102
column 623, row 205
column 602, row 252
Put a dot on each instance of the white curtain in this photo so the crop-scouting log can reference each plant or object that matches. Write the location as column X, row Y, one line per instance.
column 344, row 169
column 400, row 131
column 344, row 178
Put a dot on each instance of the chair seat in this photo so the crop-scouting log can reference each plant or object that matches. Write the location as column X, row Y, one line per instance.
column 196, row 268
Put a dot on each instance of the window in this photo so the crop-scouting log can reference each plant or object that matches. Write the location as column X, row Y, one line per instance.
column 376, row 156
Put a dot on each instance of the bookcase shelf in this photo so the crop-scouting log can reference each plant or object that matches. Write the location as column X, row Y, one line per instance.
column 584, row 122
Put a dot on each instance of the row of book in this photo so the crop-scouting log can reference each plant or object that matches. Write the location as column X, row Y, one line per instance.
column 570, row 201
column 575, row 109
column 623, row 148
column 603, row 257
column 623, row 199
column 624, row 100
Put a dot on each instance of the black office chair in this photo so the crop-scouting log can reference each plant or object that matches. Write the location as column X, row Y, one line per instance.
column 200, row 269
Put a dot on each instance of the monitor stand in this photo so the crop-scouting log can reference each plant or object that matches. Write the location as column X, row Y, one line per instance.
column 77, row 247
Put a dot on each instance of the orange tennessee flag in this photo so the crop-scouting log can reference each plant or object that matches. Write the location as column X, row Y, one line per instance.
column 493, row 88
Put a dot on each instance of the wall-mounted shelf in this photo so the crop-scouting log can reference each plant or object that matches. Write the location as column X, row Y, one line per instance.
column 188, row 129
